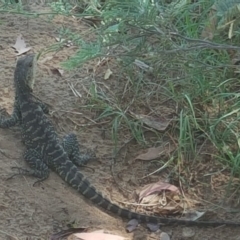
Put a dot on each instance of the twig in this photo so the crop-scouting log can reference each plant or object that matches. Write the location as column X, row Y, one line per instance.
column 159, row 169
column 67, row 112
column 87, row 124
column 75, row 92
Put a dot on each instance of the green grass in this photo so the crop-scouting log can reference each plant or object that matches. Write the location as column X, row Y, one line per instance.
column 200, row 81
column 187, row 74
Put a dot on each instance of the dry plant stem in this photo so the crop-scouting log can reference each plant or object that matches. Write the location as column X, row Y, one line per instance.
column 73, row 89
column 115, row 180
column 159, row 169
column 37, row 14
column 114, row 161
column 78, row 113
column 205, row 42
column 87, row 124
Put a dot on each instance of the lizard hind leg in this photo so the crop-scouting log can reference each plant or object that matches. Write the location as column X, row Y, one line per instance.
column 37, row 167
column 77, row 155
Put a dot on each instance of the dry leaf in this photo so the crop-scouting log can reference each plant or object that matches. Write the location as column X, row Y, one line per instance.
column 57, row 71
column 153, row 153
column 154, row 198
column 159, row 123
column 210, row 29
column 20, row 45
column 143, row 65
column 107, row 74
column 193, row 215
column 97, row 236
column 157, row 188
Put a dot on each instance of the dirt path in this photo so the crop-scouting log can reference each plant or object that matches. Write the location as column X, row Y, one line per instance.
column 28, row 212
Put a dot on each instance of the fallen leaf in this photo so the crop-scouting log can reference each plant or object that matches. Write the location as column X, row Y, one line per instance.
column 97, row 236
column 107, row 74
column 193, row 215
column 20, row 45
column 157, row 188
column 154, row 198
column 159, row 123
column 156, row 152
column 210, row 28
column 132, row 225
column 57, row 71
column 143, row 65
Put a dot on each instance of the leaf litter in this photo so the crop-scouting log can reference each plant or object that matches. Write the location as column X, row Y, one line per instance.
column 82, row 234
column 157, row 187
column 161, row 198
column 156, row 152
column 95, row 235
column 107, row 74
column 158, row 123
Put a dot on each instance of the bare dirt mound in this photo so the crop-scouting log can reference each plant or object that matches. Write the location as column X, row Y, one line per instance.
column 29, row 212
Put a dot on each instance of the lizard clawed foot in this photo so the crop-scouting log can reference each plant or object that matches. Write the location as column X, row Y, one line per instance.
column 39, row 181
column 84, row 166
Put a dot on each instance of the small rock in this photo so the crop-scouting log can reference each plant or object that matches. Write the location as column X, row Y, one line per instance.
column 188, row 232
column 164, row 236
column 153, row 227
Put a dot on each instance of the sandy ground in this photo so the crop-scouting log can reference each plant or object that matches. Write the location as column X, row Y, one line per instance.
column 28, row 212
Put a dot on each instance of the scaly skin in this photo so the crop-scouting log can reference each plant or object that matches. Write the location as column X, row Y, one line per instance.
column 45, row 150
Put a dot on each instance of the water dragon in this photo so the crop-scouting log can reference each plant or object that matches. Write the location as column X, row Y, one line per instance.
column 45, row 150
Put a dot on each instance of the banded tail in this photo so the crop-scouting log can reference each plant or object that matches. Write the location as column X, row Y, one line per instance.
column 70, row 173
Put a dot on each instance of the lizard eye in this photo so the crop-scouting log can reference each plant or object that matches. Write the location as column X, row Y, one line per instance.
column 30, row 65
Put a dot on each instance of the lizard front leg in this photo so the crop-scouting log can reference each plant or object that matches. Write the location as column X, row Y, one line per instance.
column 37, row 166
column 44, row 107
column 7, row 122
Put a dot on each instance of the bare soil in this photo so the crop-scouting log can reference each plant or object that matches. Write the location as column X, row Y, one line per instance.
column 35, row 212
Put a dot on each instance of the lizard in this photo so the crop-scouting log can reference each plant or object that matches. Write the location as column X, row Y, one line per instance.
column 45, row 150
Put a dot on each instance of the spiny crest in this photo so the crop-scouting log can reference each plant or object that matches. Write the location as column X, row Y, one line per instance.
column 24, row 75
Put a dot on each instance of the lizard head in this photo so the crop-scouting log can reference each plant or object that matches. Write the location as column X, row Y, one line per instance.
column 24, row 76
